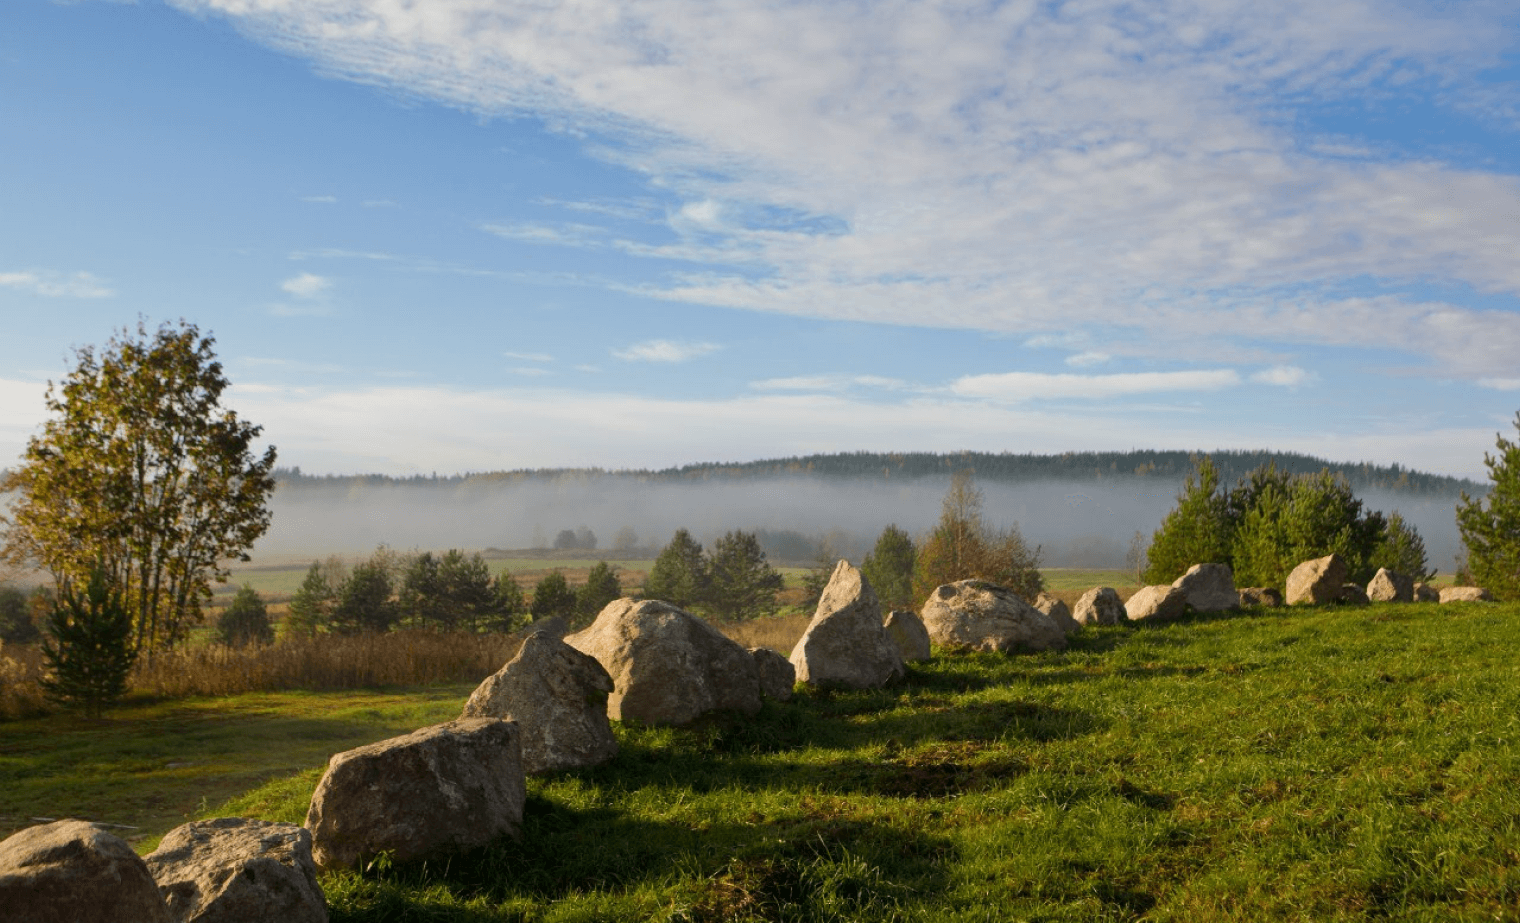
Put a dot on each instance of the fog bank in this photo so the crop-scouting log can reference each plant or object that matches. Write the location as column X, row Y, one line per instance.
column 1078, row 523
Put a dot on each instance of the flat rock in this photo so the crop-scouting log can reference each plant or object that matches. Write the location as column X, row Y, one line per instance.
column 1209, row 588
column 1465, row 595
column 1260, row 596
column 1390, row 587
column 777, row 676
column 238, row 869
column 1318, row 581
column 982, row 616
column 558, row 698
column 907, row 632
column 1100, row 606
column 667, row 666
column 846, row 645
column 1156, row 603
column 1057, row 610
column 455, row 785
column 75, row 871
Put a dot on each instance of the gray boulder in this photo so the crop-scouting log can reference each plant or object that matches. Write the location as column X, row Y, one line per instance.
column 1465, row 595
column 75, row 871
column 1260, row 596
column 667, row 666
column 1209, row 588
column 985, row 617
column 1156, row 603
column 1424, row 593
column 1057, row 610
column 1390, row 587
column 777, row 676
column 846, row 645
column 455, row 785
column 558, row 698
column 907, row 632
column 1318, row 581
column 1354, row 594
column 238, row 869
column 1100, row 606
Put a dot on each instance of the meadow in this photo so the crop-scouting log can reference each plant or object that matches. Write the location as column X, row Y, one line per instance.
column 1325, row 763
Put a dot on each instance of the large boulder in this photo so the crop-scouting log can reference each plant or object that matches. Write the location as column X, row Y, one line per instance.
column 1057, row 610
column 983, row 616
column 846, row 645
column 1260, row 596
column 667, row 666
column 1318, row 581
column 75, row 871
column 907, row 632
column 776, row 674
column 1156, row 603
column 1100, row 606
column 1390, row 587
column 238, row 869
column 1209, row 588
column 1465, row 595
column 558, row 698
column 455, row 785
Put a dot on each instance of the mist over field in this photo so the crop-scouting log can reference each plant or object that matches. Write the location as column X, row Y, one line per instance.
column 1079, row 523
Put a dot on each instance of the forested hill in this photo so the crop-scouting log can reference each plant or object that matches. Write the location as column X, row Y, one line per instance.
column 1167, row 467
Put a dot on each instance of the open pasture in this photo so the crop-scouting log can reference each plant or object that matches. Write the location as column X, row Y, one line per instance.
column 1331, row 763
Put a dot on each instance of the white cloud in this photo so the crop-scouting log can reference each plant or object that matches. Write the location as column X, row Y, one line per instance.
column 56, row 285
column 1013, row 167
column 1025, row 386
column 306, row 285
column 566, row 234
column 1283, row 376
column 1088, row 358
column 828, row 383
column 1500, row 384
column 665, row 351
column 529, row 357
column 320, row 200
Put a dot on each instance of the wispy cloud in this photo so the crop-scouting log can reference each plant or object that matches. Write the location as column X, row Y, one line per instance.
column 529, row 357
column 565, row 234
column 320, row 200
column 56, row 285
column 829, row 383
column 665, row 351
column 1065, row 167
column 1025, row 386
column 1284, row 376
column 306, row 285
column 1087, row 358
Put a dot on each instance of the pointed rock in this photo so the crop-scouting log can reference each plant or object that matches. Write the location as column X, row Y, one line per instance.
column 845, row 644
column 1390, row 587
column 1318, row 581
column 1209, row 588
column 907, row 632
column 558, row 698
column 1057, row 610
column 1100, row 606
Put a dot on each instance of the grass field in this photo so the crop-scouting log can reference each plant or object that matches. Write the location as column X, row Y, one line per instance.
column 1336, row 763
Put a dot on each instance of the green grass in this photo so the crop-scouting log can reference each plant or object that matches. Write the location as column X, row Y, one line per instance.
column 1085, row 579
column 1337, row 763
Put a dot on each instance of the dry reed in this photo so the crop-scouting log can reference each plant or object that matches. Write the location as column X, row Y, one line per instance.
column 779, row 633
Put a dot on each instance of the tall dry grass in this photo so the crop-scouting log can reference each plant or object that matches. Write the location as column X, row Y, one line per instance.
column 780, row 633
column 327, row 662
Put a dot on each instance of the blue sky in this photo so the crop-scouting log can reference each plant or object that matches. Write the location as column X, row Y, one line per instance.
column 479, row 234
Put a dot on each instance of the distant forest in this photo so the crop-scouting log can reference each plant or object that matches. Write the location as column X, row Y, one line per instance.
column 1166, row 466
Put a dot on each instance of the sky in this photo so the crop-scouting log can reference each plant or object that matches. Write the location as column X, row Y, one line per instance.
column 470, row 235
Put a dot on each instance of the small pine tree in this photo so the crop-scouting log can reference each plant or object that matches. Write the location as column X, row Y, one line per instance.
column 889, row 568
column 1196, row 532
column 741, row 584
column 601, row 588
column 88, row 650
column 552, row 596
column 245, row 621
column 1402, row 550
column 1490, row 526
column 364, row 601
column 679, row 574
column 508, row 609
column 311, row 608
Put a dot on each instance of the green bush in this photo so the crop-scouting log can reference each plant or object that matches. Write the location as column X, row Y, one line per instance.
column 601, row 588
column 552, row 596
column 245, row 621
column 1490, row 526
